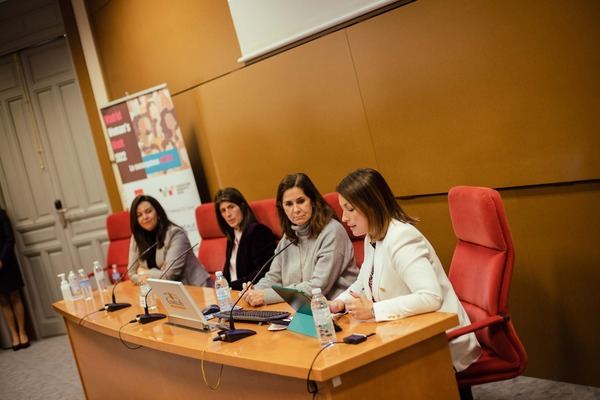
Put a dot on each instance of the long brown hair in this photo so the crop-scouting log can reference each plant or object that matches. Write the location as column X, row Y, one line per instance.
column 322, row 212
column 368, row 191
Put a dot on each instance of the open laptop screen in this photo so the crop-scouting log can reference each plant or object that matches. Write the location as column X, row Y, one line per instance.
column 179, row 305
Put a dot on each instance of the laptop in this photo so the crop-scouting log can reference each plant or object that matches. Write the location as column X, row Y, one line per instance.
column 180, row 308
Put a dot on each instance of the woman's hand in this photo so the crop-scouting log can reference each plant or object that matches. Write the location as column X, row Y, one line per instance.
column 360, row 307
column 134, row 278
column 336, row 306
column 253, row 297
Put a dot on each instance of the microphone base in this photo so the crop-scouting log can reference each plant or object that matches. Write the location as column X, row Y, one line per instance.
column 110, row 307
column 233, row 335
column 146, row 318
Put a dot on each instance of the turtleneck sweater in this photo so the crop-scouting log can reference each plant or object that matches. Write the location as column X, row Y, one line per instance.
column 325, row 262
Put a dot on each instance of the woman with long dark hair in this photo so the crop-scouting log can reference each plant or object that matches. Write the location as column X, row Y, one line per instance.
column 249, row 243
column 321, row 255
column 401, row 274
column 158, row 243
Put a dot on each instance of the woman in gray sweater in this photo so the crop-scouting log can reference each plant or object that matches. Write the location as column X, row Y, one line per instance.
column 321, row 256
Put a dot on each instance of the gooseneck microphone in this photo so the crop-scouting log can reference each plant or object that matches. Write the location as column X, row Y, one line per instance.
column 114, row 306
column 147, row 316
column 232, row 334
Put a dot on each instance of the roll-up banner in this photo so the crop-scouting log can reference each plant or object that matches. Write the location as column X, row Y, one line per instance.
column 150, row 154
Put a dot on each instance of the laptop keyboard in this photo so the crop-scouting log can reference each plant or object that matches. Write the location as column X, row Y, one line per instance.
column 253, row 315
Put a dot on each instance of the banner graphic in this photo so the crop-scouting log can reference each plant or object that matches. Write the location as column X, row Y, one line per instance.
column 151, row 156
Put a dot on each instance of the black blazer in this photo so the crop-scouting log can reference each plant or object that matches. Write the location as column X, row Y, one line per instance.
column 257, row 244
column 10, row 274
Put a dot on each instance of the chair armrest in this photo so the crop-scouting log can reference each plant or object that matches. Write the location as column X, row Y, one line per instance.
column 484, row 323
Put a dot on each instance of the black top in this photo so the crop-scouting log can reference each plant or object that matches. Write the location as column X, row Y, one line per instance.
column 10, row 274
column 150, row 256
column 256, row 245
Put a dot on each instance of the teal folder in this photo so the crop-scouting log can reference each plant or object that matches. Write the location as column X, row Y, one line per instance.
column 302, row 322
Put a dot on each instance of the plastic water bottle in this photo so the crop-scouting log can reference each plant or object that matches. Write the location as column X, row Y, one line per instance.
column 74, row 285
column 322, row 318
column 85, row 285
column 223, row 292
column 146, row 296
column 115, row 274
column 65, row 289
column 100, row 276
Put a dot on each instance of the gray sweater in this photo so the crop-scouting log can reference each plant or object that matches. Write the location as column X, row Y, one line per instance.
column 325, row 262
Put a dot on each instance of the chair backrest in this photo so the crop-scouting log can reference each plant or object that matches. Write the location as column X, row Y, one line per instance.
column 358, row 242
column 266, row 213
column 482, row 265
column 119, row 235
column 213, row 243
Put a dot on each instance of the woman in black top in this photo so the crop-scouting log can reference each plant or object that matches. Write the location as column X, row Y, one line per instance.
column 249, row 243
column 11, row 283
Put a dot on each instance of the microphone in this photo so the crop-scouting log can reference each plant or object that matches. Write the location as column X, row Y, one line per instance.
column 232, row 334
column 114, row 306
column 147, row 316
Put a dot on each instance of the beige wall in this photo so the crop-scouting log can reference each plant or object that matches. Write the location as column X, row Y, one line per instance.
column 434, row 94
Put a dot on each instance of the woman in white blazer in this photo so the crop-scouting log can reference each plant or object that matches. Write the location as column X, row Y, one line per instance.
column 401, row 274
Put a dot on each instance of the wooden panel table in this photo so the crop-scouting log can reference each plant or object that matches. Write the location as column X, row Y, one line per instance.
column 407, row 358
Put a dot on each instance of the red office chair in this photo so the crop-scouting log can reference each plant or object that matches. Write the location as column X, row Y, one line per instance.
column 266, row 213
column 213, row 243
column 119, row 235
column 480, row 273
column 358, row 242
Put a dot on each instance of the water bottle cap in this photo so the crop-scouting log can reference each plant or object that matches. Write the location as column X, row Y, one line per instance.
column 316, row 291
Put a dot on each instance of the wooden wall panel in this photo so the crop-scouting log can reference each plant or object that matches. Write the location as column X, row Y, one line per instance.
column 495, row 93
column 298, row 111
column 555, row 295
column 196, row 144
column 143, row 43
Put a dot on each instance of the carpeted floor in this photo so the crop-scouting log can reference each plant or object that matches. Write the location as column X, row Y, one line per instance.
column 47, row 371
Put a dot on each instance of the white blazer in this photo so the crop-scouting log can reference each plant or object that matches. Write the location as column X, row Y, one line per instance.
column 409, row 279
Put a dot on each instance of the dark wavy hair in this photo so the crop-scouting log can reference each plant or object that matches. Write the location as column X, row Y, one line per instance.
column 366, row 190
column 322, row 212
column 234, row 196
column 143, row 238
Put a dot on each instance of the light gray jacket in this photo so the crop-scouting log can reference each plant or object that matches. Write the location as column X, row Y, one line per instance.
column 325, row 262
column 186, row 269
